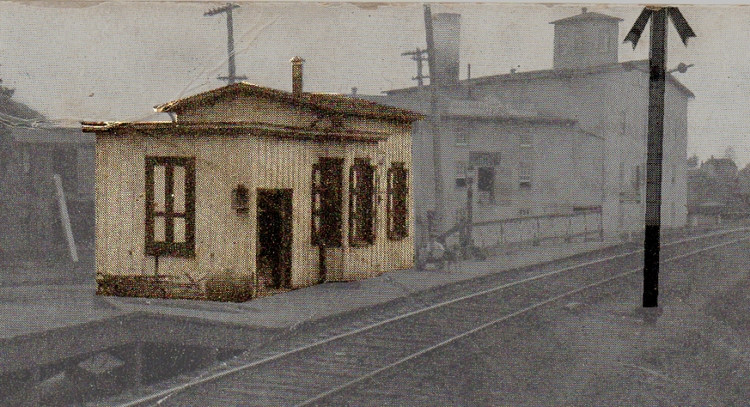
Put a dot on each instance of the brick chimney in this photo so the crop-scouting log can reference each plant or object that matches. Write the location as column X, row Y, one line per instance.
column 297, row 76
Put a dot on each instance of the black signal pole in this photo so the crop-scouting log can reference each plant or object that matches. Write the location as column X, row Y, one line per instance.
column 657, row 81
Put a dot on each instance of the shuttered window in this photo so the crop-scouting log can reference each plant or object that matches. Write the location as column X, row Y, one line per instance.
column 361, row 203
column 398, row 208
column 327, row 186
column 170, row 206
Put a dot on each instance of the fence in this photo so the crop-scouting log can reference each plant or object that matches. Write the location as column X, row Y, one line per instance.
column 581, row 225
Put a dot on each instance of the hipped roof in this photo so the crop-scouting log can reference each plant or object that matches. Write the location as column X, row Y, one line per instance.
column 322, row 102
column 586, row 16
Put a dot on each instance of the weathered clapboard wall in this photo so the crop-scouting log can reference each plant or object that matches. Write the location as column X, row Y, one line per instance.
column 226, row 241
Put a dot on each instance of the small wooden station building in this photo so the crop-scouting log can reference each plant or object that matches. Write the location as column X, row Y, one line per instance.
column 251, row 190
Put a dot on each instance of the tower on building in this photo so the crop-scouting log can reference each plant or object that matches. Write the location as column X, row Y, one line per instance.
column 584, row 40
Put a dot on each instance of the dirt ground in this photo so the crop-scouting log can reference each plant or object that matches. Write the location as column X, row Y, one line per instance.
column 598, row 350
column 696, row 354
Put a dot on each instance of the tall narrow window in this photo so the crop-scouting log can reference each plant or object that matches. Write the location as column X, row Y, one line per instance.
column 460, row 174
column 398, row 208
column 636, row 180
column 526, row 159
column 327, row 186
column 361, row 203
column 170, row 206
column 524, row 174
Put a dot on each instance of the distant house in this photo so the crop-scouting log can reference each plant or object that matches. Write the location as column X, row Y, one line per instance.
column 723, row 168
column 243, row 189
column 591, row 106
column 714, row 191
column 32, row 151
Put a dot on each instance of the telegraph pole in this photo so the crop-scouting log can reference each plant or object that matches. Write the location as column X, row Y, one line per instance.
column 657, row 77
column 434, row 119
column 232, row 77
column 419, row 56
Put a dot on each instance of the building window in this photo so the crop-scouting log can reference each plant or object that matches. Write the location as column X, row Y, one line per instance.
column 398, row 208
column 602, row 42
column 361, row 203
column 170, row 206
column 525, row 140
column 462, row 137
column 524, row 174
column 526, row 158
column 636, row 181
column 460, row 174
column 524, row 212
column 327, row 200
column 462, row 131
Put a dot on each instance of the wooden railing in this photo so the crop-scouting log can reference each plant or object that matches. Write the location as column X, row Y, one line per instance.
column 582, row 225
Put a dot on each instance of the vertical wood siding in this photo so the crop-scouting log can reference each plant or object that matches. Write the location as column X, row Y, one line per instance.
column 226, row 240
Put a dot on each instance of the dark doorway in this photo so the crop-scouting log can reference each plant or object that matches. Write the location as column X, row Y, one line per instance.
column 486, row 182
column 274, row 248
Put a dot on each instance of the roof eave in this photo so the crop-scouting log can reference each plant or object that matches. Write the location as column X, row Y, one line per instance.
column 306, row 100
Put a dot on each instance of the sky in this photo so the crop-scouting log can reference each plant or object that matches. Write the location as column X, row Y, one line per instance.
column 114, row 61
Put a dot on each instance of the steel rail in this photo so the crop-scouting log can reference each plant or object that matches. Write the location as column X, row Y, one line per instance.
column 163, row 395
column 502, row 319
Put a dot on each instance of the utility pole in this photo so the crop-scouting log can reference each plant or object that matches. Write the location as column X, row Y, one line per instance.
column 232, row 77
column 419, row 56
column 656, row 90
column 434, row 119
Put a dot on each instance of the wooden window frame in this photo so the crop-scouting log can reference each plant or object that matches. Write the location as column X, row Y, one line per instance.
column 398, row 201
column 461, row 174
column 169, row 247
column 333, row 191
column 362, row 203
column 525, row 170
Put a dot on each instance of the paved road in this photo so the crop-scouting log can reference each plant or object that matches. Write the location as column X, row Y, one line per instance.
column 488, row 341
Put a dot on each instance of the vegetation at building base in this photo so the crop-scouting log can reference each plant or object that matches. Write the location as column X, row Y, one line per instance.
column 220, row 288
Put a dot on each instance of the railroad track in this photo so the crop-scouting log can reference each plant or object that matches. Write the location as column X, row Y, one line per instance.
column 305, row 369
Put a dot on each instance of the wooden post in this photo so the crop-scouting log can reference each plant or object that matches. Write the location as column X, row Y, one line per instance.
column 323, row 267
column 65, row 218
column 585, row 228
column 434, row 120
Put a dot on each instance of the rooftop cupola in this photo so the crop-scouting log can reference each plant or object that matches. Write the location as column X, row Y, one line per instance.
column 585, row 40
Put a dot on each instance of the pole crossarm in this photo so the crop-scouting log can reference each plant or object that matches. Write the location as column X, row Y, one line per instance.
column 219, row 10
column 231, row 77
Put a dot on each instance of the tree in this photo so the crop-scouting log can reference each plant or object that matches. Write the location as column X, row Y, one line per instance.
column 693, row 161
column 730, row 153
